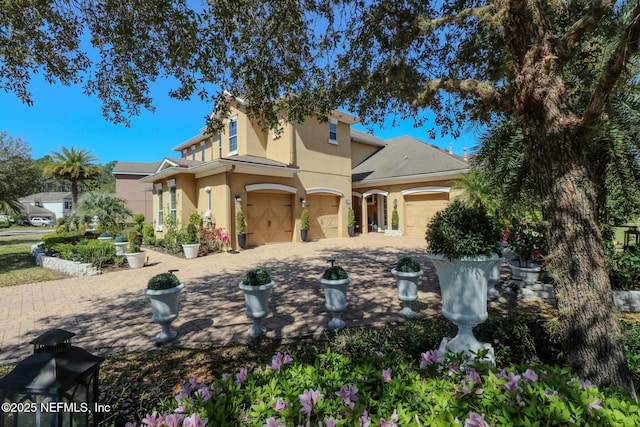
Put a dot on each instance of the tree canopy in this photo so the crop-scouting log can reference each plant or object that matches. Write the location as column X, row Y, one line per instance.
column 18, row 173
column 74, row 166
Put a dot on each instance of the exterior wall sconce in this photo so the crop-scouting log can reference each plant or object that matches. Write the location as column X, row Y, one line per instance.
column 238, row 199
column 348, row 202
column 303, row 202
column 395, row 203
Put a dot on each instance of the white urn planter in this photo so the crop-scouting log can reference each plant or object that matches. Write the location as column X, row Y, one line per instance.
column 191, row 250
column 407, row 283
column 335, row 294
column 494, row 277
column 463, row 285
column 135, row 259
column 528, row 274
column 165, row 305
column 121, row 248
column 256, row 299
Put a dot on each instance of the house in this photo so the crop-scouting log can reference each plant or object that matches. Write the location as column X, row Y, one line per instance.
column 320, row 165
column 137, row 194
column 51, row 205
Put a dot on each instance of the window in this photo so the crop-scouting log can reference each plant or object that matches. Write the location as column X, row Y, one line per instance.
column 333, row 131
column 233, row 135
column 68, row 205
column 184, row 153
column 159, row 210
column 173, row 199
column 219, row 146
column 202, row 151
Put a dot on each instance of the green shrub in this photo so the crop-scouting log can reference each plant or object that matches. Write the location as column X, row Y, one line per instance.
column 53, row 239
column 240, row 223
column 134, row 246
column 150, row 241
column 335, row 272
column 624, row 270
column 408, row 265
column 305, row 220
column 163, row 281
column 147, row 230
column 5, row 224
column 351, row 218
column 256, row 277
column 120, row 239
column 395, row 220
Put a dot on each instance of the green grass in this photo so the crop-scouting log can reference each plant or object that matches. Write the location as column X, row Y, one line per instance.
column 17, row 266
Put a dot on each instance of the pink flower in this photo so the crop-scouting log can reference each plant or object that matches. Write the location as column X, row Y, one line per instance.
column 349, row 395
column 379, row 354
column 194, row 421
column 431, row 356
column 392, row 420
column 473, row 376
column 585, row 384
column 595, row 404
column 153, row 419
column 330, row 422
column 280, row 405
column 173, row 420
column 308, row 398
column 203, row 393
column 475, row 420
column 365, row 420
column 241, row 376
column 225, row 376
column 530, row 376
column 272, row 422
column 386, row 375
column 512, row 381
column 279, row 359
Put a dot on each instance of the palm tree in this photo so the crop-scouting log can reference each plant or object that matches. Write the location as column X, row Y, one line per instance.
column 73, row 166
column 109, row 208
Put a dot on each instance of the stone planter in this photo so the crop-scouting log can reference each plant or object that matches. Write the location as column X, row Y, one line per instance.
column 528, row 273
column 494, row 277
column 135, row 259
column 256, row 299
column 191, row 250
column 165, row 305
column 407, row 284
column 463, row 285
column 351, row 231
column 121, row 248
column 304, row 234
column 104, row 238
column 335, row 294
column 242, row 240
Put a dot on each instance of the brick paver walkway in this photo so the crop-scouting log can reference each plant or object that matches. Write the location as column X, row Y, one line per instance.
column 110, row 312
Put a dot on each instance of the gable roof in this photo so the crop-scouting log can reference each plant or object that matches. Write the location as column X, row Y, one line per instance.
column 405, row 158
column 47, row 196
column 135, row 168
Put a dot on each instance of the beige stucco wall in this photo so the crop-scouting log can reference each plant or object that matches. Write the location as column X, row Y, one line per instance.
column 139, row 195
column 361, row 151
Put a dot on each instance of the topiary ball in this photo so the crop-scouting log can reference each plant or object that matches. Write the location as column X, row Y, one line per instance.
column 335, row 273
column 163, row 281
column 408, row 265
column 256, row 277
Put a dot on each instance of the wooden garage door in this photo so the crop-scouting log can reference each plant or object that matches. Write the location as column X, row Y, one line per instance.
column 269, row 218
column 323, row 210
column 420, row 208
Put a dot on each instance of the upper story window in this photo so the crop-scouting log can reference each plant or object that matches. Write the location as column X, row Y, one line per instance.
column 233, row 135
column 193, row 152
column 184, row 153
column 220, row 145
column 333, row 131
column 68, row 205
column 202, row 149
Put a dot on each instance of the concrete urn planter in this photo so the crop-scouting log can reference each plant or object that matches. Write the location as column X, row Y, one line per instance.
column 463, row 285
column 494, row 277
column 528, row 274
column 335, row 294
column 165, row 305
column 135, row 259
column 121, row 248
column 256, row 299
column 191, row 250
column 407, row 283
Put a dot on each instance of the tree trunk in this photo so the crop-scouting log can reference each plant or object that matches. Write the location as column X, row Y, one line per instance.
column 74, row 193
column 555, row 145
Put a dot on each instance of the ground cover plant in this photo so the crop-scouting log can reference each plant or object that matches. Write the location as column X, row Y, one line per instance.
column 16, row 263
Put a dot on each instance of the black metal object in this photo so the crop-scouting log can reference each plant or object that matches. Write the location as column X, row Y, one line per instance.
column 632, row 232
column 56, row 386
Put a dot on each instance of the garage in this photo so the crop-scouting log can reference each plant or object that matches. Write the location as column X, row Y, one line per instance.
column 420, row 208
column 323, row 210
column 269, row 218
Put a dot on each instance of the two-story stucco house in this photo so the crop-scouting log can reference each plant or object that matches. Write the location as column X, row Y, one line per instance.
column 323, row 166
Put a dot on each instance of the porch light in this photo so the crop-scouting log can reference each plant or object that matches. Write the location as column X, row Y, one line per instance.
column 56, row 386
column 303, row 202
column 238, row 199
column 395, row 203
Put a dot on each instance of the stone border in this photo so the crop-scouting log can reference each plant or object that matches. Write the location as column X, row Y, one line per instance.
column 71, row 268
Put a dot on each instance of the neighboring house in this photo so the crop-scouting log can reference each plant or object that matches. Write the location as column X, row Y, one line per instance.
column 325, row 167
column 51, row 205
column 137, row 194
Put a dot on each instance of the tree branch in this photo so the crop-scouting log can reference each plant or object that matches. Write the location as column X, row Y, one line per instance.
column 584, row 24
column 627, row 47
column 427, row 25
column 486, row 91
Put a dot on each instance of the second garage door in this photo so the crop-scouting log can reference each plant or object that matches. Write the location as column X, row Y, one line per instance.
column 323, row 210
column 269, row 218
column 420, row 208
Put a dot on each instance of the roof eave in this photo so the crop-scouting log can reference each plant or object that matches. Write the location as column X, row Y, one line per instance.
column 410, row 179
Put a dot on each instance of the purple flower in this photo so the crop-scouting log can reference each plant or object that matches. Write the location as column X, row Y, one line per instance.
column 379, row 354
column 595, row 404
column 272, row 422
column 194, row 421
column 349, row 395
column 475, row 420
column 203, row 393
column 465, row 388
column 330, row 422
column 585, row 384
column 386, row 375
column 241, row 376
column 225, row 376
column 153, row 419
column 512, row 381
column 173, row 420
column 279, row 360
column 308, row 398
column 431, row 356
column 365, row 420
column 530, row 376
column 280, row 405
column 473, row 376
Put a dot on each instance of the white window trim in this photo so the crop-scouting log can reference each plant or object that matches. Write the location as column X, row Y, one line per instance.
column 233, row 118
column 159, row 208
column 331, row 140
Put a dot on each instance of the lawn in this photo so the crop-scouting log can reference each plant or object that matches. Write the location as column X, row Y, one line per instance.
column 16, row 263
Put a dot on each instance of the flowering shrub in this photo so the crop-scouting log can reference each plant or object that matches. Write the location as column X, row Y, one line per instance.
column 526, row 238
column 215, row 240
column 382, row 391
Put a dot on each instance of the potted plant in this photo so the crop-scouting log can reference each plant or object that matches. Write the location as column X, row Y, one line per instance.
column 135, row 256
column 191, row 247
column 121, row 245
column 407, row 273
column 256, row 286
column 395, row 220
column 241, row 228
column 104, row 236
column 463, row 245
column 527, row 241
column 351, row 222
column 335, row 281
column 163, row 291
column 305, row 223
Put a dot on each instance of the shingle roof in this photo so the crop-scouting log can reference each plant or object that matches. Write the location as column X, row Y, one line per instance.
column 50, row 196
column 135, row 168
column 407, row 156
column 256, row 160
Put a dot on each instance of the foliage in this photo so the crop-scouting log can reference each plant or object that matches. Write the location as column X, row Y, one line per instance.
column 241, row 223
column 172, row 235
column 5, row 224
column 213, row 240
column 120, row 239
column 395, row 219
column 256, row 277
column 96, row 252
column 74, row 166
column 526, row 238
column 408, row 265
column 147, row 230
column 192, row 234
column 459, row 231
column 109, row 208
column 305, row 220
column 335, row 272
column 351, row 217
column 134, row 245
column 163, row 281
column 52, row 239
column 18, row 173
column 624, row 269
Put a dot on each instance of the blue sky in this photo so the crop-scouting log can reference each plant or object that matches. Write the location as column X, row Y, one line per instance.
column 63, row 117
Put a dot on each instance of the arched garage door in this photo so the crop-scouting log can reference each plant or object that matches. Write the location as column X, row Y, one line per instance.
column 269, row 218
column 323, row 210
column 420, row 208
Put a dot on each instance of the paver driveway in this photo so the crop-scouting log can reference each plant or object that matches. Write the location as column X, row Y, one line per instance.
column 110, row 312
